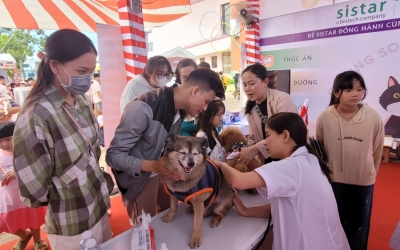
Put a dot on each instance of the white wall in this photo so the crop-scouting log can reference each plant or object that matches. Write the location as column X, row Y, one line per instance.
column 185, row 31
column 208, row 59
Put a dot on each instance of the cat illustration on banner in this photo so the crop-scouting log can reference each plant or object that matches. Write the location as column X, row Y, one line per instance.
column 390, row 101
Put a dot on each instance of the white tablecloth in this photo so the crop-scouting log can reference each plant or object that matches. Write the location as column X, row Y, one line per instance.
column 234, row 232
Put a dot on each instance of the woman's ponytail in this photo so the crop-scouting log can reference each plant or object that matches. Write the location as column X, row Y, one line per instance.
column 324, row 168
column 43, row 82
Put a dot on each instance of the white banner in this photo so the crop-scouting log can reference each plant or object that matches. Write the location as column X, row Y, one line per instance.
column 318, row 44
column 274, row 8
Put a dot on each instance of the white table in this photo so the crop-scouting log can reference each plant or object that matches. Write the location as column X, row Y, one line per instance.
column 234, row 232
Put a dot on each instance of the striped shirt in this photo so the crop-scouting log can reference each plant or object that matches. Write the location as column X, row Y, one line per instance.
column 55, row 166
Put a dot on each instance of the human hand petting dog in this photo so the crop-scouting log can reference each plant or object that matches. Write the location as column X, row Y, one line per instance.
column 240, row 207
column 221, row 164
column 160, row 168
column 247, row 154
column 230, row 174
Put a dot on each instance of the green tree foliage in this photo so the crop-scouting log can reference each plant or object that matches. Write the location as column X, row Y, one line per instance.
column 21, row 43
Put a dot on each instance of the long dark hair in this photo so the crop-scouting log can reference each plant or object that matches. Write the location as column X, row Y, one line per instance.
column 344, row 81
column 155, row 64
column 63, row 46
column 298, row 132
column 261, row 72
column 204, row 121
column 183, row 63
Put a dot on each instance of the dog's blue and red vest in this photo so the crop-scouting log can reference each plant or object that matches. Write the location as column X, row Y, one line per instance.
column 210, row 182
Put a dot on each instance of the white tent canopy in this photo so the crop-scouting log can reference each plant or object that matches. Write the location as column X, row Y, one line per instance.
column 173, row 55
column 7, row 61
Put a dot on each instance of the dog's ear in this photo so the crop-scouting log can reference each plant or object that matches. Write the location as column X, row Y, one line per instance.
column 170, row 138
column 169, row 143
column 203, row 143
column 222, row 140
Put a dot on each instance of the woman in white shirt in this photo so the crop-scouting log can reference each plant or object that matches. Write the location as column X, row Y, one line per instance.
column 303, row 207
column 156, row 74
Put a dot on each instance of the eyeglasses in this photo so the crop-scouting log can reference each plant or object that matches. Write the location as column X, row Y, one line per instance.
column 161, row 76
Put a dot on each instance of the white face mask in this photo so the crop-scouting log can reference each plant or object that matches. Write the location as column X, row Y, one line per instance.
column 78, row 85
column 162, row 82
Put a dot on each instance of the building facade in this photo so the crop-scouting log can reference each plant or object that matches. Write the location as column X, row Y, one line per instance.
column 30, row 68
column 208, row 32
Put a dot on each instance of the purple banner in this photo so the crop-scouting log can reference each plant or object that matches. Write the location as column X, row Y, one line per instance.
column 385, row 25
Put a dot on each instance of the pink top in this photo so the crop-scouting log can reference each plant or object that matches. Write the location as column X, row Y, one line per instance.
column 9, row 195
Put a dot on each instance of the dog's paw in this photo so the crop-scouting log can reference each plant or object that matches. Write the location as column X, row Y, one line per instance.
column 189, row 210
column 167, row 218
column 194, row 242
column 215, row 222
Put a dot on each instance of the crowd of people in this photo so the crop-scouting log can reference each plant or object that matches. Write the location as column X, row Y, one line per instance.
column 50, row 156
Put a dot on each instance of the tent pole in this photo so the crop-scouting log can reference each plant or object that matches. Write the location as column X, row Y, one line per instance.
column 133, row 36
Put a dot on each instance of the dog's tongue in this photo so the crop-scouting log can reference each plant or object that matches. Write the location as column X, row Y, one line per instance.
column 187, row 170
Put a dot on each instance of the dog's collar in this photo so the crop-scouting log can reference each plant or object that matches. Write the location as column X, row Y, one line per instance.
column 238, row 146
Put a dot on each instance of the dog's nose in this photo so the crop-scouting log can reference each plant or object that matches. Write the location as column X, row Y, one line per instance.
column 191, row 164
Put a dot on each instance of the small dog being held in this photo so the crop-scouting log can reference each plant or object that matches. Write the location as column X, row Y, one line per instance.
column 203, row 186
column 232, row 139
column 4, row 105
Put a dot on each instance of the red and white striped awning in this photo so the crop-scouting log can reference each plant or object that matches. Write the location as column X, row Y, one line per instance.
column 82, row 14
column 16, row 73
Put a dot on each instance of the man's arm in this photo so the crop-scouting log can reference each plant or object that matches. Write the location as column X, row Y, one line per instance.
column 127, row 134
